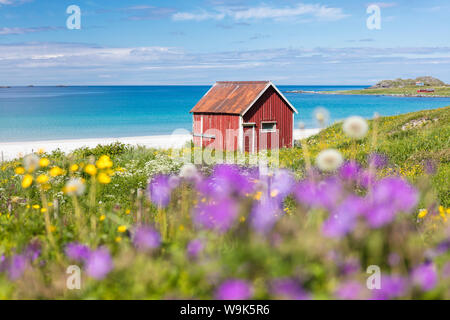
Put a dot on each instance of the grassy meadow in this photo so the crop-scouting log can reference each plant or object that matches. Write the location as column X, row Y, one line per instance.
column 142, row 224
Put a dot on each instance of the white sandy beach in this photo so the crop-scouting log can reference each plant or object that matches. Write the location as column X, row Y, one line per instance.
column 12, row 150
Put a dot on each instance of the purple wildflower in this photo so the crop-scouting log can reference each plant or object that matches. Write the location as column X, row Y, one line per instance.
column 425, row 276
column 366, row 178
column 264, row 215
column 350, row 290
column 281, row 185
column 350, row 266
column 146, row 238
column 77, row 252
column 322, row 195
column 343, row 219
column 389, row 196
column 350, row 171
column 3, row 263
column 443, row 247
column 99, row 264
column 234, row 289
column 378, row 160
column 33, row 250
column 394, row 259
column 288, row 289
column 194, row 248
column 16, row 267
column 392, row 286
column 218, row 216
column 430, row 167
column 160, row 190
column 226, row 180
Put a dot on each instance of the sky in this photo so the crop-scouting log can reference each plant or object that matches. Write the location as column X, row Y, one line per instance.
column 192, row 42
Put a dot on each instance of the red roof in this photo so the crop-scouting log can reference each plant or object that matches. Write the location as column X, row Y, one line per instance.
column 234, row 97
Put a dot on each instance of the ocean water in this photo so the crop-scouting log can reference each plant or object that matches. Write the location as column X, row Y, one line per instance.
column 52, row 113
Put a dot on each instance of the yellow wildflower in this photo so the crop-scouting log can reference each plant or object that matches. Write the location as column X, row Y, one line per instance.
column 44, row 162
column 258, row 195
column 422, row 213
column 42, row 179
column 36, row 207
column 43, row 210
column 181, row 227
column 128, row 211
column 52, row 229
column 102, row 218
column 50, row 204
column 122, row 229
column 103, row 178
column 90, row 169
column 27, row 181
column 104, row 162
column 20, row 170
column 74, row 168
column 118, row 239
column 56, row 171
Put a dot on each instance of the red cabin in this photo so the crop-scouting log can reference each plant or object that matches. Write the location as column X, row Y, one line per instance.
column 244, row 115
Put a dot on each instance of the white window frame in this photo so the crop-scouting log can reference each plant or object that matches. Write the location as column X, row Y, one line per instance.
column 268, row 130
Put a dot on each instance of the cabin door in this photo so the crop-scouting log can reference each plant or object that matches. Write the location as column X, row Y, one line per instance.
column 249, row 138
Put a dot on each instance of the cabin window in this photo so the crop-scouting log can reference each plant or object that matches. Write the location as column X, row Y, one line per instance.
column 268, row 126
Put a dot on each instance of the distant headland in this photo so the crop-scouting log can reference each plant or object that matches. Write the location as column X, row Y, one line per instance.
column 420, row 87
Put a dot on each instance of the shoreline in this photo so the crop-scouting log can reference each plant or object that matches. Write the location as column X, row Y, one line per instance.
column 12, row 150
column 400, row 95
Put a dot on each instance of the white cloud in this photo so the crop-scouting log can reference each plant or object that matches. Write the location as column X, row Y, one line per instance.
column 11, row 2
column 75, row 63
column 19, row 30
column 384, row 4
column 316, row 11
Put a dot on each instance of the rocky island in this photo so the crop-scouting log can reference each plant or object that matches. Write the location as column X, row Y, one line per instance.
column 420, row 87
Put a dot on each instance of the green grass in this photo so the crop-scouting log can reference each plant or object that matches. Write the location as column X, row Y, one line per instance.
column 407, row 91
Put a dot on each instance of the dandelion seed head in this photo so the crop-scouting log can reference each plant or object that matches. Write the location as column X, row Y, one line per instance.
column 31, row 162
column 355, row 127
column 75, row 187
column 329, row 160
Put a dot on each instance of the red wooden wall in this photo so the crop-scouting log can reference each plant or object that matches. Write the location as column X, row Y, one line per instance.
column 221, row 123
column 271, row 107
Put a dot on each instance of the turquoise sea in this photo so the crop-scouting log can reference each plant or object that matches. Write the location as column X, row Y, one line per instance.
column 51, row 113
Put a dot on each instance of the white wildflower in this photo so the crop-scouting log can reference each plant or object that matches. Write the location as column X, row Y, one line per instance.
column 329, row 160
column 355, row 127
